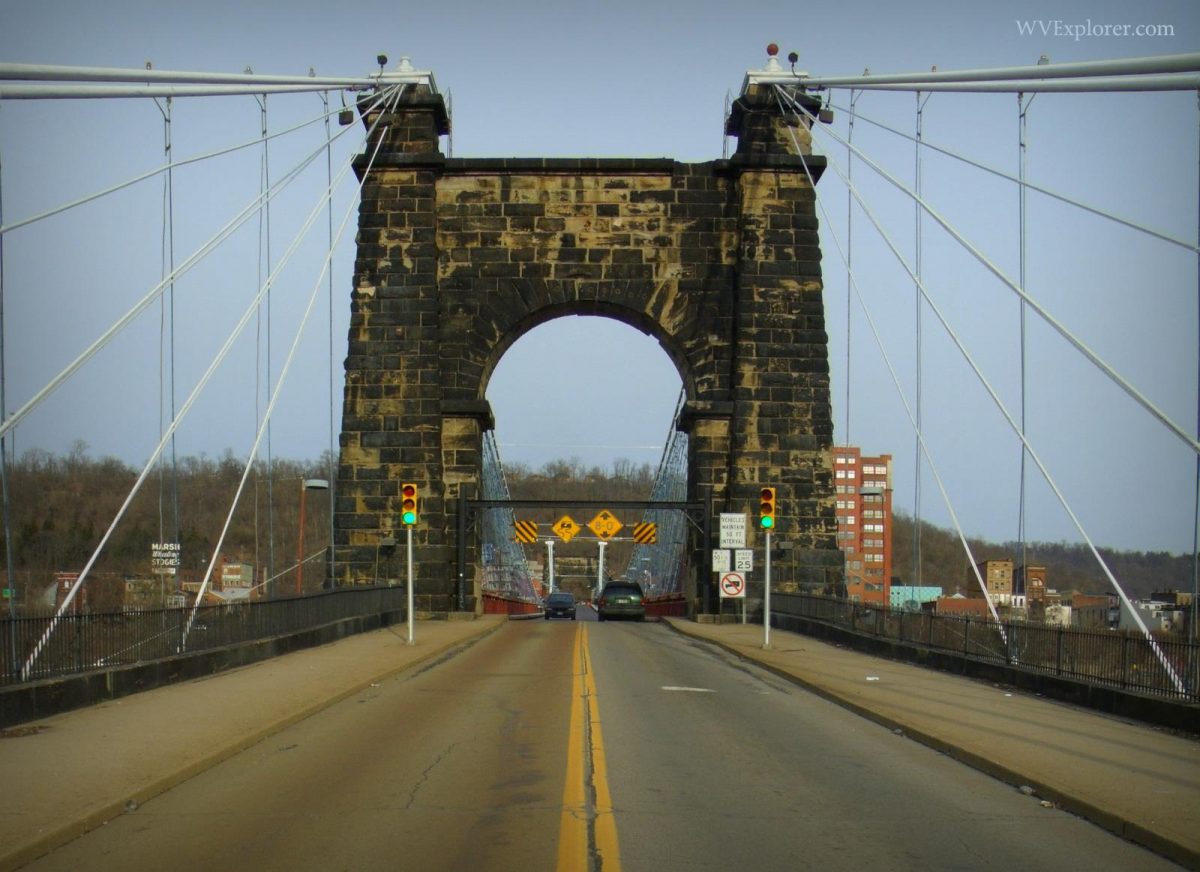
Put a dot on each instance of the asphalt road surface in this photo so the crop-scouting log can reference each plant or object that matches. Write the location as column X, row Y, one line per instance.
column 572, row 745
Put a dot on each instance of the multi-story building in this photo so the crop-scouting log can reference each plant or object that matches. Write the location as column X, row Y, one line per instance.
column 1030, row 582
column 997, row 575
column 863, row 496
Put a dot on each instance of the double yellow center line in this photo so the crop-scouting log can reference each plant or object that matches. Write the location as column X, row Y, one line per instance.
column 587, row 819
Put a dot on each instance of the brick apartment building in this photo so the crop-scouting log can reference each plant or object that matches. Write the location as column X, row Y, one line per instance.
column 1030, row 582
column 997, row 575
column 863, row 493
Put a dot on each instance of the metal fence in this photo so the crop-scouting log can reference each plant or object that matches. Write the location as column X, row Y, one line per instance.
column 1164, row 667
column 88, row 641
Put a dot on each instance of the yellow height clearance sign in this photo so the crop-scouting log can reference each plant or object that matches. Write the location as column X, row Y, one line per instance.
column 605, row 525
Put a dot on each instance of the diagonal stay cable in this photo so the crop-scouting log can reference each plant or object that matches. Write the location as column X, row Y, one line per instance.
column 88, row 198
column 220, row 236
column 1015, row 428
column 165, row 438
column 291, row 355
column 908, row 410
column 1063, row 198
column 1058, row 326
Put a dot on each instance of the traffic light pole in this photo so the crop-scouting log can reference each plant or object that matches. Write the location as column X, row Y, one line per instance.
column 767, row 594
column 410, row 586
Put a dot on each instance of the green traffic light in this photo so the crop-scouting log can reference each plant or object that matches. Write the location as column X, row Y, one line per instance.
column 767, row 522
column 409, row 517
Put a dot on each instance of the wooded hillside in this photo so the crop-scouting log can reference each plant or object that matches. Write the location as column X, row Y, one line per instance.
column 63, row 506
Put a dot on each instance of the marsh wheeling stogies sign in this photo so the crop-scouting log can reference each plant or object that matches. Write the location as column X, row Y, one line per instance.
column 164, row 557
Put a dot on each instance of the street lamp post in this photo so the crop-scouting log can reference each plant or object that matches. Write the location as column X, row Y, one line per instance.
column 305, row 486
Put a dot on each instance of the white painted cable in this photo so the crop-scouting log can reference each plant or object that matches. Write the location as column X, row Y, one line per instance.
column 896, row 379
column 1058, row 326
column 5, row 228
column 1097, row 85
column 1155, row 65
column 1063, row 198
column 263, row 428
column 163, row 441
column 154, row 293
column 1017, row 430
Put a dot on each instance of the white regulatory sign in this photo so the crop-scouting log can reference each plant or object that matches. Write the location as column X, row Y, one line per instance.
column 733, row 530
column 733, row 585
column 720, row 560
column 743, row 560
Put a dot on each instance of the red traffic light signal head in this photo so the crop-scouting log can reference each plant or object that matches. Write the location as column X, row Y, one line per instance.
column 766, row 508
column 408, row 503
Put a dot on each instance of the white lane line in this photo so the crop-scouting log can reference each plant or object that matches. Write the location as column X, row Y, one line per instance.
column 688, row 689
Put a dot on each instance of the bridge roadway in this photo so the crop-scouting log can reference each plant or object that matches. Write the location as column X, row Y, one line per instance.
column 527, row 744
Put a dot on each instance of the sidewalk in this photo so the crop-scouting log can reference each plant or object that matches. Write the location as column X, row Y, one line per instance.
column 67, row 774
column 1137, row 781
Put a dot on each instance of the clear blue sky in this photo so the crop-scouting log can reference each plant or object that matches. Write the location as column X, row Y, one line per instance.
column 647, row 79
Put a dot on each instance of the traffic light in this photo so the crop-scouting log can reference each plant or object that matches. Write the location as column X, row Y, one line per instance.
column 766, row 508
column 408, row 504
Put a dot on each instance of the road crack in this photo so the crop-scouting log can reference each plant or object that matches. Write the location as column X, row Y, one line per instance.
column 424, row 776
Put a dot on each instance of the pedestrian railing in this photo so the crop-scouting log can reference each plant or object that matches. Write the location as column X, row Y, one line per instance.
column 87, row 641
column 1112, row 658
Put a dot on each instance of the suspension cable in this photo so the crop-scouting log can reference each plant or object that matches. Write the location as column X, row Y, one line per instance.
column 215, row 240
column 264, row 241
column 4, row 483
column 1016, row 429
column 1026, row 184
column 1196, row 515
column 5, row 228
column 332, row 435
column 1022, row 146
column 183, row 411
column 287, row 365
column 849, row 254
column 918, row 233
column 1061, row 329
column 895, row 378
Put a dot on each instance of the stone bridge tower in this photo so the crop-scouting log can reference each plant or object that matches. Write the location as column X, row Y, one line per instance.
column 458, row 257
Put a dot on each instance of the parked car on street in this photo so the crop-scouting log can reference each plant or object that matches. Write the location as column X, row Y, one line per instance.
column 560, row 604
column 621, row 599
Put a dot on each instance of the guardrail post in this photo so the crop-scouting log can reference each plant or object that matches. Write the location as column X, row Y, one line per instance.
column 966, row 635
column 1058, row 653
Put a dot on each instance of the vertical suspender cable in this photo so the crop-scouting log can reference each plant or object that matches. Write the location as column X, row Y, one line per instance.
column 162, row 333
column 849, row 247
column 332, row 457
column 1022, row 109
column 265, row 231
column 171, row 321
column 1196, row 515
column 11, row 577
column 166, row 330
column 916, row 548
column 258, row 392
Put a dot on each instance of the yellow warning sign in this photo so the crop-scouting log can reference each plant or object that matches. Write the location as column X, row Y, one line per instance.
column 605, row 525
column 526, row 531
column 566, row 528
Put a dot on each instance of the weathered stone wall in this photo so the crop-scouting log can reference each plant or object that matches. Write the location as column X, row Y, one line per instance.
column 460, row 257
